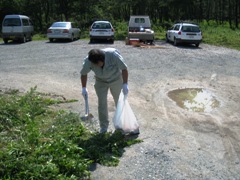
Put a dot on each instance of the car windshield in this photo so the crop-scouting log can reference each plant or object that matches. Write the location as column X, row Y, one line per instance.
column 60, row 24
column 101, row 26
column 12, row 22
column 190, row 29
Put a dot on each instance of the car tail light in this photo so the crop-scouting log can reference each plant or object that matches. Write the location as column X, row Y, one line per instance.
column 113, row 30
column 65, row 31
column 49, row 31
column 90, row 29
column 179, row 32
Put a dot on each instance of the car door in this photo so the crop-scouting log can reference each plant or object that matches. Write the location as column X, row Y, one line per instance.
column 170, row 33
column 175, row 32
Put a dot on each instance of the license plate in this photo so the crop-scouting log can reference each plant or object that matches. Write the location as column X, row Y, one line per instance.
column 57, row 31
column 191, row 36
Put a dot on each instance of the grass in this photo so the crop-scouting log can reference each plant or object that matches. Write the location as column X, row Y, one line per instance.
column 39, row 37
column 220, row 35
column 40, row 143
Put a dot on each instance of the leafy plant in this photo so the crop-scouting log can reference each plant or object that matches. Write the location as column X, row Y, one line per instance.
column 39, row 143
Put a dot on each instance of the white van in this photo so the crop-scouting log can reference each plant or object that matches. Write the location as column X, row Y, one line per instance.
column 139, row 28
column 17, row 27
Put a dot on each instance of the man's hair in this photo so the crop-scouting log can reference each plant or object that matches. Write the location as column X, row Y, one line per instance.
column 96, row 55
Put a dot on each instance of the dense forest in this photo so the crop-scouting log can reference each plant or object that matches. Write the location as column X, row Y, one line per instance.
column 84, row 12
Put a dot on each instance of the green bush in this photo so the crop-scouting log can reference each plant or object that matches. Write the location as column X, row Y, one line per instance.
column 39, row 143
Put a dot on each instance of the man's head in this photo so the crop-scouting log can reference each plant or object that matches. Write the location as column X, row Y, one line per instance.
column 96, row 55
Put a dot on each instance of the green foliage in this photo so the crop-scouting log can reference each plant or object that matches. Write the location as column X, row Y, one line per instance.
column 38, row 37
column 160, row 30
column 121, row 29
column 84, row 12
column 39, row 143
column 220, row 35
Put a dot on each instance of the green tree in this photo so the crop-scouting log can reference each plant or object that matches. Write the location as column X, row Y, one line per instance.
column 84, row 12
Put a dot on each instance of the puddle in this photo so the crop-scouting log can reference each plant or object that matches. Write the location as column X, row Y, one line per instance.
column 194, row 99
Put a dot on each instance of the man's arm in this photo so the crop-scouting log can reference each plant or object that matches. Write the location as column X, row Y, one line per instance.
column 125, row 76
column 84, row 81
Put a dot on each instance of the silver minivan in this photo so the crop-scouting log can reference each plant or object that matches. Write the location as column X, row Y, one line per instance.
column 17, row 27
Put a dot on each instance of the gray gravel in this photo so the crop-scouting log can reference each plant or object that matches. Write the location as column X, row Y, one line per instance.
column 177, row 144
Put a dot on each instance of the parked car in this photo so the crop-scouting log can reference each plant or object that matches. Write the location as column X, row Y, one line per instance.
column 184, row 33
column 63, row 30
column 101, row 30
column 139, row 28
column 17, row 27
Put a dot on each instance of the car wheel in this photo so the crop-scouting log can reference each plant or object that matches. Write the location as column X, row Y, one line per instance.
column 175, row 42
column 197, row 44
column 72, row 38
column 167, row 40
column 5, row 41
column 23, row 40
column 51, row 39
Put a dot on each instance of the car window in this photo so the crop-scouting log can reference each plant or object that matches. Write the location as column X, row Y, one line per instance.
column 30, row 22
column 101, row 26
column 25, row 22
column 195, row 29
column 176, row 27
column 60, row 24
column 190, row 29
column 12, row 22
column 139, row 20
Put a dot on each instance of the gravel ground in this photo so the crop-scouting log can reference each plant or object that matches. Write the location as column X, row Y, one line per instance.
column 177, row 144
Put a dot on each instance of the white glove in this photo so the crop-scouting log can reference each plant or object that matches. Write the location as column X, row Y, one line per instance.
column 125, row 88
column 84, row 92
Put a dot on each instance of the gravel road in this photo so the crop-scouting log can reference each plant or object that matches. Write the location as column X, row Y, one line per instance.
column 177, row 143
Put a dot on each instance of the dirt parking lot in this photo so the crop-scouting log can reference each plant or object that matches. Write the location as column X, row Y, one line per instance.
column 177, row 143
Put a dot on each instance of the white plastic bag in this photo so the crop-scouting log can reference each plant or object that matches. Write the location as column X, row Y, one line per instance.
column 124, row 118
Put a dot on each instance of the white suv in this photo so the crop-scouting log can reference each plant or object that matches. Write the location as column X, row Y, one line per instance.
column 184, row 33
column 101, row 30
